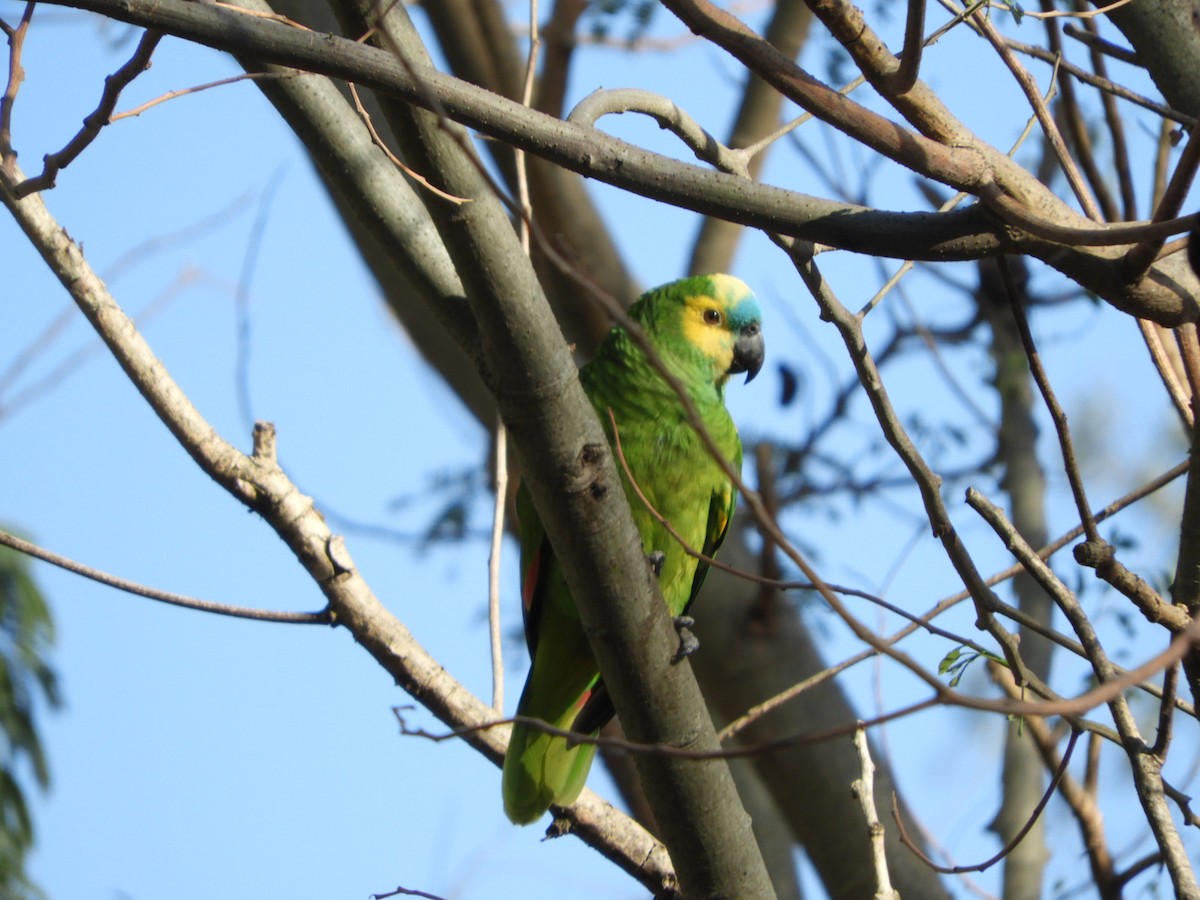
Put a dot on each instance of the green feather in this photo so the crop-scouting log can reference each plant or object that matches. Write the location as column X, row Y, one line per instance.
column 702, row 329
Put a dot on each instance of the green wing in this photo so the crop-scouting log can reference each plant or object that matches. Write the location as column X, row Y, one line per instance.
column 720, row 513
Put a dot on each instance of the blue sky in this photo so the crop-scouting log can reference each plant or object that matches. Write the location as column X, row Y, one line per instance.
column 205, row 757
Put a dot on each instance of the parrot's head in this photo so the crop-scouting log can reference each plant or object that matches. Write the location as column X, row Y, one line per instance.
column 710, row 321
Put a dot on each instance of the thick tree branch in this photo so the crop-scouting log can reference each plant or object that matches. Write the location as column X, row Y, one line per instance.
column 1165, row 294
column 567, row 465
column 482, row 49
column 392, row 227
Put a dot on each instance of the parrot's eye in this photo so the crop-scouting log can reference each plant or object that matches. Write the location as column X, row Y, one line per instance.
column 712, row 316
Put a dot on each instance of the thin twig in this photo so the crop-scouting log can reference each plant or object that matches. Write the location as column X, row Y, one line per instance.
column 406, row 892
column 1066, row 13
column 183, row 92
column 141, row 590
column 1020, row 835
column 241, row 300
column 396, row 161
column 1079, row 800
column 914, row 44
column 95, row 121
column 1075, row 124
column 1066, row 445
column 1116, row 127
column 501, row 477
column 494, row 633
column 535, row 44
column 1165, row 359
column 864, row 789
column 16, row 74
column 1102, row 84
column 1094, row 42
column 1136, row 868
column 1166, row 713
column 1139, row 257
column 1049, row 128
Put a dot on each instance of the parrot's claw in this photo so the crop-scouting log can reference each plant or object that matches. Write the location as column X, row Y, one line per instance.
column 655, row 560
column 559, row 827
column 687, row 641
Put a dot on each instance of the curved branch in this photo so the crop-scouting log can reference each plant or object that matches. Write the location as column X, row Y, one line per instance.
column 132, row 587
column 1008, row 848
column 668, row 115
column 1165, row 294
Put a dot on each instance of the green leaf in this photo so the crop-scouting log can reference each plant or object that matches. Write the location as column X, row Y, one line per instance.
column 957, row 661
column 28, row 685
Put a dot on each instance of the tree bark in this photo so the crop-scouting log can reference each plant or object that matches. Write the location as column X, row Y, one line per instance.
column 743, row 661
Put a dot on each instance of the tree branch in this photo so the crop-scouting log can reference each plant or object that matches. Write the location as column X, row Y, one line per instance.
column 568, row 468
column 95, row 120
column 141, row 590
column 1165, row 294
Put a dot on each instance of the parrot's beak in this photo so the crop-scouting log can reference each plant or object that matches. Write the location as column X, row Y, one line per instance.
column 749, row 350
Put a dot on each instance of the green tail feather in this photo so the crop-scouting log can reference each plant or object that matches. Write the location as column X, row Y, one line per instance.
column 541, row 769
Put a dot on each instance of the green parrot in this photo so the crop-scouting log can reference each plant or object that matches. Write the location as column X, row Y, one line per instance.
column 704, row 329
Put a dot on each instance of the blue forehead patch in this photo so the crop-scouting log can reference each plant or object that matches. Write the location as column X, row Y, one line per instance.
column 745, row 312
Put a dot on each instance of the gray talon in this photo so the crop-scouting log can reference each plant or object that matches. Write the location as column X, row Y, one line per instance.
column 687, row 641
column 656, row 560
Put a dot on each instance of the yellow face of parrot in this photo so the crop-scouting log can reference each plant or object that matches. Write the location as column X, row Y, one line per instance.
column 721, row 319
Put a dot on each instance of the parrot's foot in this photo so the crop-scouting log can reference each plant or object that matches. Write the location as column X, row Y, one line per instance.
column 655, row 560
column 687, row 641
column 558, row 828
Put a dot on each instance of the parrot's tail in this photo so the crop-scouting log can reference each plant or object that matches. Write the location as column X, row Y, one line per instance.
column 541, row 769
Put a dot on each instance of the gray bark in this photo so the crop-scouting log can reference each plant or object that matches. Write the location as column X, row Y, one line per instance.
column 741, row 662
column 1024, row 776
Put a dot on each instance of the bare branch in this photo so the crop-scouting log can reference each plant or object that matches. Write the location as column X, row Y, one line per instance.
column 1056, row 413
column 500, row 485
column 864, row 789
column 1139, row 257
column 1071, row 116
column 1163, row 295
column 184, row 92
column 1147, row 768
column 988, row 863
column 95, row 120
column 1095, row 42
column 914, row 44
column 16, row 74
column 1049, row 128
column 668, row 115
column 1116, row 128
column 1082, row 804
column 131, row 587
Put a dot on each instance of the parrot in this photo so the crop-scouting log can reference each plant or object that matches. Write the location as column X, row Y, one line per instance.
column 703, row 329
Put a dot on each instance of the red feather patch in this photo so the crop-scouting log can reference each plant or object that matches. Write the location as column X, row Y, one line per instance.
column 529, row 585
